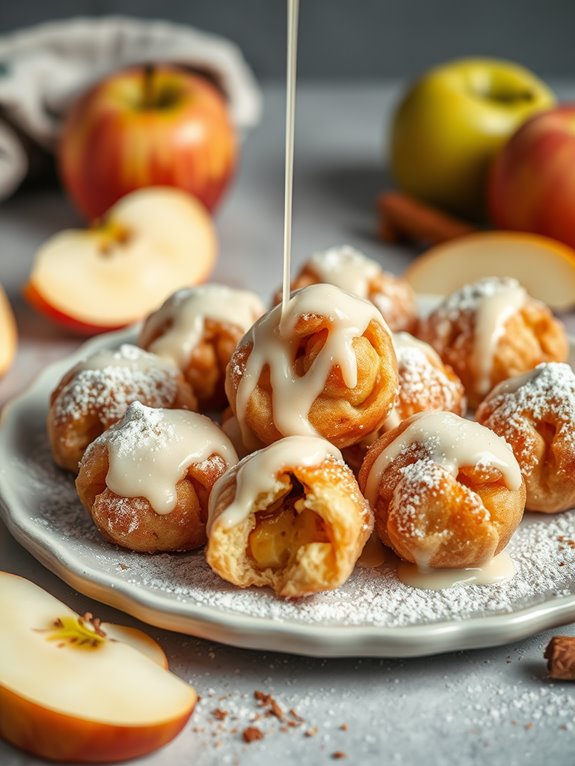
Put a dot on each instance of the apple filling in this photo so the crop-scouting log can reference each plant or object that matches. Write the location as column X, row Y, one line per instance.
column 282, row 529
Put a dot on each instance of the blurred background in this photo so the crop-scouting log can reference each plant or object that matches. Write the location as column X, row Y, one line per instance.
column 354, row 39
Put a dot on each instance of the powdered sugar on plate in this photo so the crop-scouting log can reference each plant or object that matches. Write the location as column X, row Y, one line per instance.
column 542, row 549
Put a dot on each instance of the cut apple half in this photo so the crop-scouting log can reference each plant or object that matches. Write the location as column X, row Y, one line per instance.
column 149, row 244
column 71, row 691
column 545, row 267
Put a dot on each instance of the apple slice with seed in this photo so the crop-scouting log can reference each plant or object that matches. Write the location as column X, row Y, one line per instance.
column 149, row 244
column 70, row 691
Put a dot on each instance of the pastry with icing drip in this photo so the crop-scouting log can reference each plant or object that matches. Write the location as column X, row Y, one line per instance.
column 491, row 330
column 425, row 384
column 290, row 517
column 323, row 367
column 197, row 329
column 349, row 269
column 146, row 481
column 95, row 394
column 446, row 492
column 535, row 413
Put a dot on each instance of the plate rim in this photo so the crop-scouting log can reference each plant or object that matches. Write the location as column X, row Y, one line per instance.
column 233, row 628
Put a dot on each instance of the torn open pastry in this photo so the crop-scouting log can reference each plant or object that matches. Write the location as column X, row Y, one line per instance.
column 290, row 517
column 146, row 481
column 95, row 393
column 325, row 366
column 535, row 414
column 197, row 328
column 446, row 492
column 491, row 330
column 349, row 269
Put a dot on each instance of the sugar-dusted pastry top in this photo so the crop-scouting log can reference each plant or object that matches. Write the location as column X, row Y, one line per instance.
column 425, row 383
column 489, row 303
column 149, row 451
column 110, row 379
column 256, row 475
column 446, row 442
column 351, row 270
column 516, row 407
column 177, row 327
column 336, row 318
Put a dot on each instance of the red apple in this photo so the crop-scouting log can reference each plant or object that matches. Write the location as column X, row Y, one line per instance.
column 147, row 126
column 532, row 180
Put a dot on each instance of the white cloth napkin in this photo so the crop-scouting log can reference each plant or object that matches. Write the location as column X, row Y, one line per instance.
column 44, row 68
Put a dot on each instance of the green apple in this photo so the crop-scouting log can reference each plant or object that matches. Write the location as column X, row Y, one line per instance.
column 450, row 124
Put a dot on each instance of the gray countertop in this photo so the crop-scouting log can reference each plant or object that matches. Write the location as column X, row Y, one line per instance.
column 491, row 706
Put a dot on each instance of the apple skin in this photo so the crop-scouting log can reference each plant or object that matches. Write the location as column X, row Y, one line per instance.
column 151, row 243
column 60, row 737
column 452, row 122
column 158, row 126
column 532, row 180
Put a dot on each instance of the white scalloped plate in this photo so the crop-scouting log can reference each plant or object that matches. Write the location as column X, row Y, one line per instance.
column 371, row 615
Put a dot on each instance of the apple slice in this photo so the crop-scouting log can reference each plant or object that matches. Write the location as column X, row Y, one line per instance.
column 8, row 334
column 149, row 244
column 71, row 692
column 545, row 267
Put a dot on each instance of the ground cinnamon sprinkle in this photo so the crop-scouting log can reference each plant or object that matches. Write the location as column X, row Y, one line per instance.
column 251, row 734
column 220, row 714
column 338, row 754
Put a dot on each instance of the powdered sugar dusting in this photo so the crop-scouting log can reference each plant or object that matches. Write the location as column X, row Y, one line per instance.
column 372, row 597
column 517, row 406
column 129, row 374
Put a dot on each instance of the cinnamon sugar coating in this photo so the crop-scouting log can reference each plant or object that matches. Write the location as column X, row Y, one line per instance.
column 90, row 399
column 535, row 414
column 434, row 519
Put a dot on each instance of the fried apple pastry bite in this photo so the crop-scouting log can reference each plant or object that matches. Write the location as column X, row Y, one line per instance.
column 146, row 481
column 95, row 393
column 197, row 328
column 323, row 367
column 349, row 269
column 290, row 517
column 425, row 383
column 446, row 492
column 491, row 330
column 535, row 414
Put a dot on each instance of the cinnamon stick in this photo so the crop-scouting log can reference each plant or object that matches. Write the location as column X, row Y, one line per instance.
column 402, row 217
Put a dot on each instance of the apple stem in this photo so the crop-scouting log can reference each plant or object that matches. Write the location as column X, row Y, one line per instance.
column 149, row 70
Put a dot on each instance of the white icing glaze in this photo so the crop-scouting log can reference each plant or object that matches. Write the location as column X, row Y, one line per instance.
column 493, row 311
column 185, row 313
column 257, row 473
column 275, row 345
column 150, row 450
column 126, row 356
column 404, row 340
column 373, row 555
column 346, row 268
column 451, row 442
column 496, row 570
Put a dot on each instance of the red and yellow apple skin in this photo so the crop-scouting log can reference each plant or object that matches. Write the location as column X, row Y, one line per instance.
column 74, row 690
column 450, row 124
column 8, row 334
column 532, row 180
column 158, row 126
column 150, row 243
